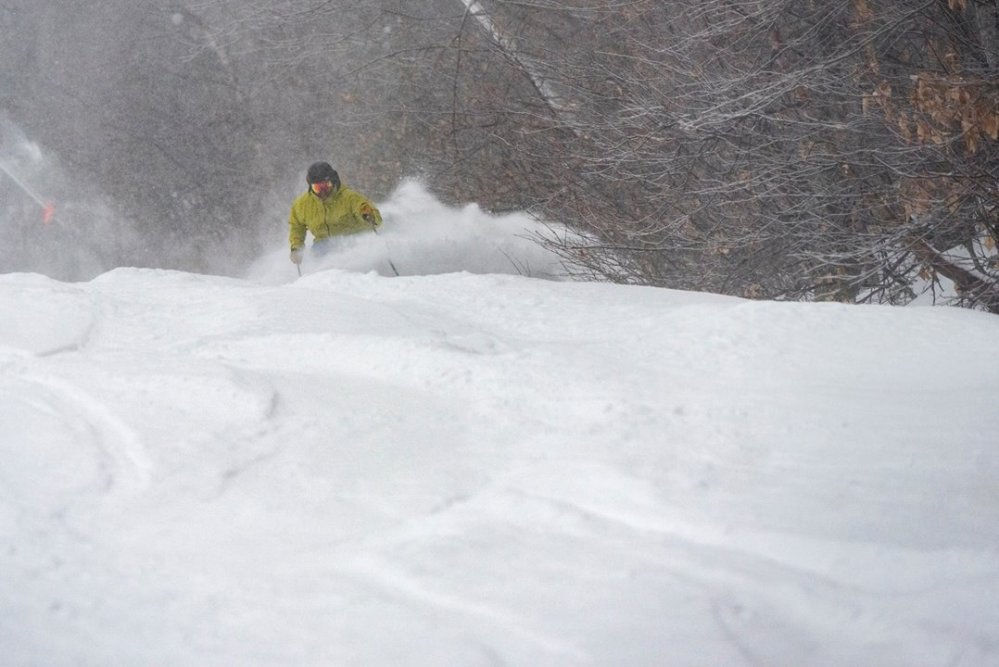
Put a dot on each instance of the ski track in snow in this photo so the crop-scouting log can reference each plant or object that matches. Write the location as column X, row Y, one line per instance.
column 130, row 466
column 395, row 583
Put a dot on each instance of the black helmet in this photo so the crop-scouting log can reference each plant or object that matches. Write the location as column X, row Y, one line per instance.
column 322, row 171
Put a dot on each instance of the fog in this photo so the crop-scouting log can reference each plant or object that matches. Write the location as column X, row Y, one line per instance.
column 176, row 135
column 50, row 221
column 54, row 226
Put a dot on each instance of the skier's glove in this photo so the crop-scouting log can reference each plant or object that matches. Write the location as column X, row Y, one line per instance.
column 296, row 255
column 368, row 215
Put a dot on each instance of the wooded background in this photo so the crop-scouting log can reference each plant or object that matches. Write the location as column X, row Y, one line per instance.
column 789, row 149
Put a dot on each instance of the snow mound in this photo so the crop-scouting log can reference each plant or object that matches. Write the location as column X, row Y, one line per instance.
column 490, row 469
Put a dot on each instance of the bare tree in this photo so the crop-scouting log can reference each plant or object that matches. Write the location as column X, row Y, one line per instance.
column 779, row 149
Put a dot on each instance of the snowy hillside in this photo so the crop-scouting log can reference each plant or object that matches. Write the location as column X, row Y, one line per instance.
column 474, row 468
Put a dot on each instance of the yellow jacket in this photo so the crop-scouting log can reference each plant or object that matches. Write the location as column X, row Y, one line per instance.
column 341, row 213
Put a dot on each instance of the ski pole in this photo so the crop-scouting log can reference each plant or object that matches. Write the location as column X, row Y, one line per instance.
column 374, row 228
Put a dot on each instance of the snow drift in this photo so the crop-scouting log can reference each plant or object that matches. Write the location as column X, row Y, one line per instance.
column 460, row 469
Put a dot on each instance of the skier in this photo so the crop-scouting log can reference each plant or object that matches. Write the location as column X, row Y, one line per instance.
column 327, row 209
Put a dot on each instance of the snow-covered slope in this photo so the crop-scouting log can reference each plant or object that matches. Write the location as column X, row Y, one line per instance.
column 462, row 469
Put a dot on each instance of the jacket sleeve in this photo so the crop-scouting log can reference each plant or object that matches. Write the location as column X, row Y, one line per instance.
column 296, row 230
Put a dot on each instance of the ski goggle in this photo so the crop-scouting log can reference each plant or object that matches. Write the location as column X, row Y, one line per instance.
column 322, row 187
